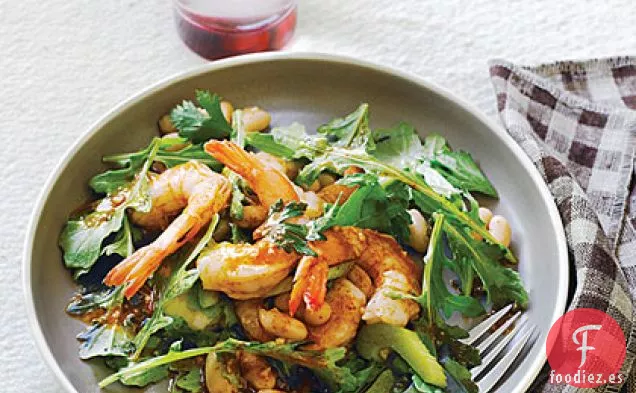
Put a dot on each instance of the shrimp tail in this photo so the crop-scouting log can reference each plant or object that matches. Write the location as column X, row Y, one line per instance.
column 310, row 284
column 234, row 157
column 316, row 291
column 135, row 270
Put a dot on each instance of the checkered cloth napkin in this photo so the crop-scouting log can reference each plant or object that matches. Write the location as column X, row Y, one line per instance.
column 577, row 122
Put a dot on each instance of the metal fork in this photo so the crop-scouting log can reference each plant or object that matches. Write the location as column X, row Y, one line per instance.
column 494, row 362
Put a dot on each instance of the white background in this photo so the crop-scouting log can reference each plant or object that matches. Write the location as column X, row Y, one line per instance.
column 64, row 63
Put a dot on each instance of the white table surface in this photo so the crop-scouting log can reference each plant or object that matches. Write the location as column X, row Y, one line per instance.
column 64, row 63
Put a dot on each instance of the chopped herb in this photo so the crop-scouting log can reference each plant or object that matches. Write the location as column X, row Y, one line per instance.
column 200, row 126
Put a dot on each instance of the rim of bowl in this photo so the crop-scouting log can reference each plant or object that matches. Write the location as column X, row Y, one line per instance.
column 499, row 132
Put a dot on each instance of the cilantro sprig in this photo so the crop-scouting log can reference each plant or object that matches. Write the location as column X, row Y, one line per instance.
column 201, row 125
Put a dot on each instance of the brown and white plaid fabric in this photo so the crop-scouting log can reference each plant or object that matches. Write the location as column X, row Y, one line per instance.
column 577, row 122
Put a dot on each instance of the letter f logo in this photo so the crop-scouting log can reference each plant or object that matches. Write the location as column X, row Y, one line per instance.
column 584, row 347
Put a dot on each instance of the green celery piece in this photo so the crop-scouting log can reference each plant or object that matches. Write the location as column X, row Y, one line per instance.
column 383, row 383
column 373, row 338
column 238, row 197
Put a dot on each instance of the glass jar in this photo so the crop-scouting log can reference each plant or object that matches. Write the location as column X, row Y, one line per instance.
column 220, row 28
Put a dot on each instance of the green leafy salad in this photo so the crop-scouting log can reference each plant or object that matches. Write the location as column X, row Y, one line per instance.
column 230, row 255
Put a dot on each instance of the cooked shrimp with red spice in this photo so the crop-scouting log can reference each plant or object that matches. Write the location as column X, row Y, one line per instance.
column 236, row 255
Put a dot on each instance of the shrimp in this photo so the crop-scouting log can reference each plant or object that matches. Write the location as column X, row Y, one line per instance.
column 380, row 255
column 388, row 266
column 268, row 182
column 191, row 189
column 244, row 271
column 347, row 305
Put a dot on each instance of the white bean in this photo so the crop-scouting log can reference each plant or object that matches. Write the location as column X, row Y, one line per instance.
column 326, row 179
column 499, row 228
column 165, row 125
column 485, row 215
column 256, row 371
column 418, row 229
column 315, row 186
column 361, row 279
column 281, row 302
column 282, row 325
column 227, row 109
column 255, row 119
column 176, row 146
column 215, row 376
column 316, row 317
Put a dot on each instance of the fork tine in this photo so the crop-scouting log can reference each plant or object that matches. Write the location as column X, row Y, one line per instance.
column 495, row 374
column 492, row 354
column 480, row 329
column 497, row 333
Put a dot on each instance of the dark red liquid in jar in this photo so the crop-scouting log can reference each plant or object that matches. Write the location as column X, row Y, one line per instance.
column 215, row 37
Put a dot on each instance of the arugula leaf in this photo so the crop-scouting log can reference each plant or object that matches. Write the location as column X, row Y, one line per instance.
column 324, row 361
column 146, row 377
column 447, row 337
column 351, row 131
column 171, row 152
column 434, row 144
column 399, row 146
column 350, row 134
column 419, row 386
column 180, row 281
column 104, row 340
column 105, row 299
column 502, row 284
column 438, row 182
column 123, row 243
column 438, row 297
column 180, row 330
column 375, row 207
column 458, row 167
column 199, row 126
column 191, row 381
column 81, row 239
column 459, row 378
